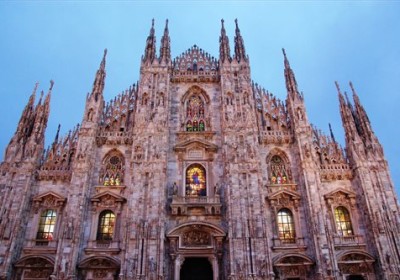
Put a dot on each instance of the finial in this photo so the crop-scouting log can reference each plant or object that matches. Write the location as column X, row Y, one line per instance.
column 222, row 22
column 35, row 88
column 284, row 52
column 103, row 61
column 285, row 59
column 51, row 85
column 330, row 130
column 166, row 23
column 58, row 133
column 236, row 22
column 152, row 23
column 352, row 88
column 337, row 87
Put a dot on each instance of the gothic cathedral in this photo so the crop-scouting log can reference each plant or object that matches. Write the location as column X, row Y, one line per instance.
column 197, row 172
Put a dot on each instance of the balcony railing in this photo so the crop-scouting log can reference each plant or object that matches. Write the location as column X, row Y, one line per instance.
column 276, row 137
column 196, row 205
column 103, row 246
column 349, row 241
column 292, row 243
column 36, row 246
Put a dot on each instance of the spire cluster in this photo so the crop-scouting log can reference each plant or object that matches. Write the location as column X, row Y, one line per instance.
column 356, row 122
column 150, row 54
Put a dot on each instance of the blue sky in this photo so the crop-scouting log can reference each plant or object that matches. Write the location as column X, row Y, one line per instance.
column 325, row 41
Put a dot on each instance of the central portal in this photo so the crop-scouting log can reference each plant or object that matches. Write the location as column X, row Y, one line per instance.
column 196, row 269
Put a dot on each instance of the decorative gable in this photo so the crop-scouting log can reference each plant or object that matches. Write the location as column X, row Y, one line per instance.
column 48, row 200
column 107, row 199
column 341, row 196
column 284, row 198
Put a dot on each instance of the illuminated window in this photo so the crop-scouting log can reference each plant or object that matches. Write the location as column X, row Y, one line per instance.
column 196, row 180
column 112, row 172
column 278, row 173
column 286, row 231
column 106, row 225
column 343, row 221
column 47, row 224
column 195, row 114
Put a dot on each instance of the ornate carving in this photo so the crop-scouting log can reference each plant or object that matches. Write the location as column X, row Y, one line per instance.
column 37, row 273
column 196, row 238
column 48, row 200
column 100, row 273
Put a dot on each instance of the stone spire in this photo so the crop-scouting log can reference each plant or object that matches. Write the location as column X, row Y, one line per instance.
column 99, row 81
column 240, row 52
column 224, row 49
column 165, row 48
column 291, row 84
column 95, row 100
column 42, row 112
column 362, row 117
column 347, row 116
column 150, row 50
column 27, row 115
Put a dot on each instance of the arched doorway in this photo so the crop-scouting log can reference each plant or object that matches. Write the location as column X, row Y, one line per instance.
column 196, row 269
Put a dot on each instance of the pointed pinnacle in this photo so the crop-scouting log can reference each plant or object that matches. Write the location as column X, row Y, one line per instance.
column 352, row 89
column 58, row 133
column 332, row 136
column 35, row 88
column 51, row 85
column 338, row 88
column 236, row 23
column 285, row 59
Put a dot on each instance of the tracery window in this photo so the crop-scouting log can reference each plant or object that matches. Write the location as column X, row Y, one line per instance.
column 286, row 230
column 195, row 114
column 196, row 180
column 112, row 171
column 343, row 221
column 106, row 225
column 47, row 225
column 278, row 174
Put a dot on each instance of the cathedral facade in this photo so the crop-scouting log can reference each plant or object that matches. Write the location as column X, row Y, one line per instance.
column 196, row 172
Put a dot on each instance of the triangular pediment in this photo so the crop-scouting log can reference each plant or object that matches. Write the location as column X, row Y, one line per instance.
column 340, row 192
column 195, row 143
column 284, row 193
column 107, row 195
column 49, row 196
column 49, row 200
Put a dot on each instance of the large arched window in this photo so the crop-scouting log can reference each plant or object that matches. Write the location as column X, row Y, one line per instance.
column 105, row 229
column 195, row 119
column 286, row 230
column 278, row 173
column 47, row 225
column 196, row 180
column 112, row 171
column 343, row 221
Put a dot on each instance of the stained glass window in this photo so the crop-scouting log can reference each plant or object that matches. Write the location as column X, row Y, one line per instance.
column 278, row 171
column 196, row 180
column 195, row 114
column 106, row 225
column 343, row 221
column 47, row 224
column 112, row 172
column 286, row 231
